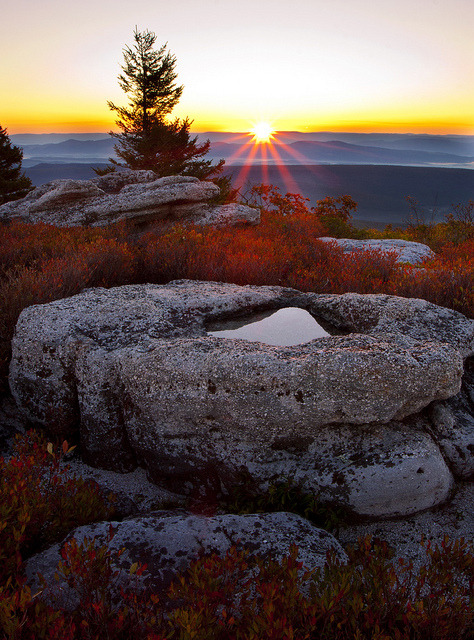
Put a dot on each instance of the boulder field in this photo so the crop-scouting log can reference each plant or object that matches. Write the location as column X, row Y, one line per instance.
column 139, row 197
column 376, row 417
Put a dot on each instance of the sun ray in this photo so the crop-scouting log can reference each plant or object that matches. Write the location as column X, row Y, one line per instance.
column 289, row 181
column 243, row 173
column 265, row 178
column 320, row 171
column 246, row 146
column 263, row 152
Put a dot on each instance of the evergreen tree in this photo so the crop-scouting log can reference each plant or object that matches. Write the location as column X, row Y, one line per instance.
column 13, row 183
column 167, row 149
column 148, row 140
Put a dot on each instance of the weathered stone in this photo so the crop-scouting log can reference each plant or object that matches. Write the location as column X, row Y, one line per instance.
column 254, row 392
column 137, row 196
column 135, row 371
column 406, row 251
column 453, row 520
column 64, row 193
column 114, row 181
column 104, row 321
column 374, row 470
column 167, row 542
column 230, row 215
column 378, row 314
column 453, row 427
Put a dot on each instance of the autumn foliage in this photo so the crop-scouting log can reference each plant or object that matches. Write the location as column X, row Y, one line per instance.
column 40, row 263
column 236, row 597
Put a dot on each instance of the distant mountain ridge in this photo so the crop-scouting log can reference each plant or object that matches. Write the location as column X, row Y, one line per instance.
column 71, row 146
column 287, row 148
column 456, row 144
column 333, row 151
column 369, row 167
column 22, row 139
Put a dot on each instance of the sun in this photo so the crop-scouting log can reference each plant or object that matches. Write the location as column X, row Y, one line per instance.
column 262, row 132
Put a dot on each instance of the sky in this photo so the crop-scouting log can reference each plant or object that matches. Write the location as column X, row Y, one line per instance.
column 303, row 65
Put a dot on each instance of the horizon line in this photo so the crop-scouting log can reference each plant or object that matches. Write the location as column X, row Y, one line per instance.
column 243, row 132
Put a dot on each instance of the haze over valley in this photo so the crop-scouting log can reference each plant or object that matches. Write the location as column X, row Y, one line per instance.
column 378, row 170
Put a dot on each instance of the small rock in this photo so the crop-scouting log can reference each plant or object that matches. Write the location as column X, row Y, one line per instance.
column 406, row 251
column 230, row 215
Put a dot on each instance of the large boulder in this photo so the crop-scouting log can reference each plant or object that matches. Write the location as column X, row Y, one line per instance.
column 405, row 251
column 136, row 373
column 168, row 541
column 136, row 196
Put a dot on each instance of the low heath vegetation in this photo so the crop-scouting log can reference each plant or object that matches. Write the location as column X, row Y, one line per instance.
column 237, row 597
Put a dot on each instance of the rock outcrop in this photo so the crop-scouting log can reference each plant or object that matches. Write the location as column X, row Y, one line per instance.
column 350, row 416
column 406, row 251
column 168, row 541
column 452, row 425
column 379, row 314
column 136, row 196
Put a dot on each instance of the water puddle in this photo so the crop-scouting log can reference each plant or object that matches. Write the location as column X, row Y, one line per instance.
column 284, row 327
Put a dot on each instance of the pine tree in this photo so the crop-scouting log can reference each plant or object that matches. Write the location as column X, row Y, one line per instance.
column 148, row 79
column 13, row 183
column 168, row 149
column 148, row 140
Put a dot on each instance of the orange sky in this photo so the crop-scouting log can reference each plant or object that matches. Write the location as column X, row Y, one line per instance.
column 308, row 65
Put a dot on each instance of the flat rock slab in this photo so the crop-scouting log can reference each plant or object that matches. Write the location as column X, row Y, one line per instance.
column 167, row 542
column 405, row 250
column 134, row 370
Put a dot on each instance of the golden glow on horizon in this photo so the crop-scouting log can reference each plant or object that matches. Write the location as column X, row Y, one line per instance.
column 82, row 117
column 353, row 65
column 85, row 123
column 68, row 113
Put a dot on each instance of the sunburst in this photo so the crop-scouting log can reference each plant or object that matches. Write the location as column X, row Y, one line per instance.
column 262, row 132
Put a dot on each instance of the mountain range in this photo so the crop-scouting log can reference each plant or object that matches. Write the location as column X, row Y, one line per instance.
column 286, row 148
column 378, row 170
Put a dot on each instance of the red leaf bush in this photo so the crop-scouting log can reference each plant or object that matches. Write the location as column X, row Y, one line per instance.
column 235, row 597
column 40, row 263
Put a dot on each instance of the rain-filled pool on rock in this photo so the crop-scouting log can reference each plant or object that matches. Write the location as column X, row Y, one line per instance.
column 283, row 327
